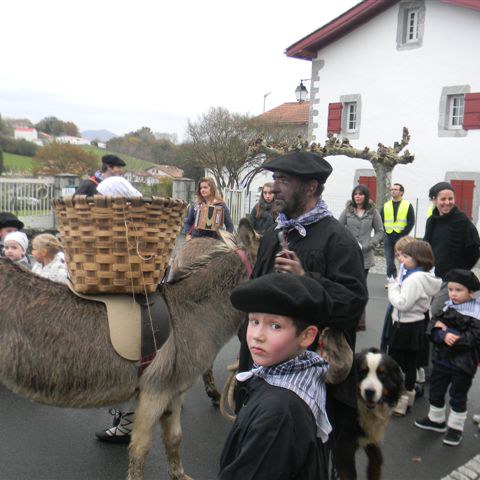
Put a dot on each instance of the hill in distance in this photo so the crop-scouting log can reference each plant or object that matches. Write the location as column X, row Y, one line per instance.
column 102, row 135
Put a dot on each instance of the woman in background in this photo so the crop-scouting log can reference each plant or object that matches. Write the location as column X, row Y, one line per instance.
column 262, row 216
column 206, row 196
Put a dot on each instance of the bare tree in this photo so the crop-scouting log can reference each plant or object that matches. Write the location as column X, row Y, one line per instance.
column 383, row 159
column 220, row 142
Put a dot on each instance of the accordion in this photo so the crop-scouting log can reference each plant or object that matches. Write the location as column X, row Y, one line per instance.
column 209, row 217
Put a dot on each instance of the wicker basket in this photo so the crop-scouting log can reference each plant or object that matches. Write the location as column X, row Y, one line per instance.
column 118, row 244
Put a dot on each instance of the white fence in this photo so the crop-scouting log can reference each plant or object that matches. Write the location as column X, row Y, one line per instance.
column 29, row 199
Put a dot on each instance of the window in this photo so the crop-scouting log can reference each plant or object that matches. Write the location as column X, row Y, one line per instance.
column 351, row 115
column 412, row 25
column 453, row 109
column 351, row 112
column 456, row 106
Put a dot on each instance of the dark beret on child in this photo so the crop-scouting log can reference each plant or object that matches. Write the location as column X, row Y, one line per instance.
column 464, row 277
column 438, row 187
column 113, row 161
column 306, row 165
column 284, row 294
column 8, row 219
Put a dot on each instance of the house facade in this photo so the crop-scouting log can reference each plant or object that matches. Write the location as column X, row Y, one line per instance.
column 25, row 133
column 386, row 64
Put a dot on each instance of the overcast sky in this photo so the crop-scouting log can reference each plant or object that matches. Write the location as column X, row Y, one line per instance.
column 121, row 65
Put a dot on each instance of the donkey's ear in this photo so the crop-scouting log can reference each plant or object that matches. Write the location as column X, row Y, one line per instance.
column 247, row 234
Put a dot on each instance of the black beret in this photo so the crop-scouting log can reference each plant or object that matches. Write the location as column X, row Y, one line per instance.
column 113, row 161
column 306, row 165
column 464, row 277
column 284, row 294
column 8, row 219
column 438, row 187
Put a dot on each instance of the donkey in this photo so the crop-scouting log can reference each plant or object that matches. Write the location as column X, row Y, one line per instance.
column 55, row 346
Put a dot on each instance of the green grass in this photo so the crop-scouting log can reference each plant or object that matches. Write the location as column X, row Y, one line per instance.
column 17, row 163
column 133, row 164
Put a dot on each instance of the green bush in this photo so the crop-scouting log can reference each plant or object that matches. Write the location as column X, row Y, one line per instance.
column 19, row 147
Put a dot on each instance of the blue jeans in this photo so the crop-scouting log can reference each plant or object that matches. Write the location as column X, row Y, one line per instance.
column 389, row 248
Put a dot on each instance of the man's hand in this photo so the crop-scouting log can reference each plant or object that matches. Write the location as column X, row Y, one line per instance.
column 450, row 339
column 287, row 261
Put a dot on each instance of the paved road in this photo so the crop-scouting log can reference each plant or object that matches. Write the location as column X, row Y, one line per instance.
column 39, row 442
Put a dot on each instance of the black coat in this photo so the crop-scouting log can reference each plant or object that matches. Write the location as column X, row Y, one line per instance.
column 273, row 438
column 464, row 353
column 261, row 216
column 331, row 255
column 454, row 241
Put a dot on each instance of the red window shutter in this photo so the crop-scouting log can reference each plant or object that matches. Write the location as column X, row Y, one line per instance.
column 371, row 184
column 464, row 195
column 334, row 117
column 471, row 113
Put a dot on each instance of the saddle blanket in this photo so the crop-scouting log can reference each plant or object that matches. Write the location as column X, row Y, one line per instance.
column 124, row 320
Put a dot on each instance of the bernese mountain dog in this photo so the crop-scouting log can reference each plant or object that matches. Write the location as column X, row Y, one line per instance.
column 379, row 386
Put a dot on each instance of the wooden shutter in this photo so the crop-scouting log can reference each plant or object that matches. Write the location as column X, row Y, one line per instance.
column 464, row 195
column 371, row 184
column 334, row 117
column 471, row 113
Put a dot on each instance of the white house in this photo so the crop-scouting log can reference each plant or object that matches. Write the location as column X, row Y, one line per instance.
column 167, row 171
column 385, row 64
column 25, row 133
column 72, row 140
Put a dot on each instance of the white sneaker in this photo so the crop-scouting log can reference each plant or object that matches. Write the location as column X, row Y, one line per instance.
column 476, row 418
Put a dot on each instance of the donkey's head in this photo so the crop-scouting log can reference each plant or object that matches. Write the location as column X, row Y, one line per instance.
column 246, row 239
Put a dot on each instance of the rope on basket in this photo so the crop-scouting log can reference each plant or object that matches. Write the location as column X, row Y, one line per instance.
column 125, row 221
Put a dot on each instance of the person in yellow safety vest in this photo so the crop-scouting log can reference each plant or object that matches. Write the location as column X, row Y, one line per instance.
column 398, row 219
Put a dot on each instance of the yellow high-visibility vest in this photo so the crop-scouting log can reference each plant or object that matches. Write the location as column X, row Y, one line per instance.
column 400, row 223
column 430, row 210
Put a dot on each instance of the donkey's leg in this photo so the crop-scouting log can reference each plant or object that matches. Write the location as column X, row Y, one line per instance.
column 172, row 437
column 148, row 412
column 210, row 387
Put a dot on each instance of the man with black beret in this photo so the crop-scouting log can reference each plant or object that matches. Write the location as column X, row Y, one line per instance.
column 8, row 223
column 281, row 430
column 111, row 166
column 308, row 241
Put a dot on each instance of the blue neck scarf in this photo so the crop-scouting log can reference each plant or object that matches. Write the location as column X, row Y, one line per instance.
column 319, row 211
column 305, row 376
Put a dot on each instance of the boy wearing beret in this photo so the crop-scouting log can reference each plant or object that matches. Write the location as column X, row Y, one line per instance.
column 455, row 333
column 280, row 431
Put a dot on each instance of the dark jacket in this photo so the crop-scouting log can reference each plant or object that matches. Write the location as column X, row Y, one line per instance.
column 189, row 225
column 261, row 216
column 88, row 187
column 454, row 241
column 331, row 255
column 273, row 438
column 464, row 353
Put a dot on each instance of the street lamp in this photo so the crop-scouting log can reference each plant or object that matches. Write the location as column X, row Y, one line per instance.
column 301, row 92
column 264, row 98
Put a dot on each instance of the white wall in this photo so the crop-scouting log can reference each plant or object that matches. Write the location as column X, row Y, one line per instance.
column 403, row 88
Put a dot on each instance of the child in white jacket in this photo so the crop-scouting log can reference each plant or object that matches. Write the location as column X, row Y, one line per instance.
column 47, row 251
column 410, row 299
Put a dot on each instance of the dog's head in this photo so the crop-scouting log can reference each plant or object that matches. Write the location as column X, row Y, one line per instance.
column 379, row 378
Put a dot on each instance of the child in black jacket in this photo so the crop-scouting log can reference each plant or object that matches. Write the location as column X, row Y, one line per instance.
column 279, row 433
column 455, row 333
